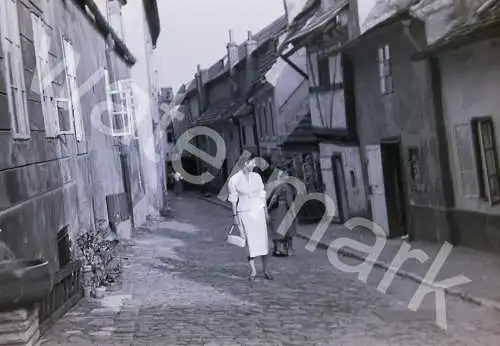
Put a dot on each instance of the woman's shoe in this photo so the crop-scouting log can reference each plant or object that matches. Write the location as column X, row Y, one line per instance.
column 268, row 276
column 252, row 277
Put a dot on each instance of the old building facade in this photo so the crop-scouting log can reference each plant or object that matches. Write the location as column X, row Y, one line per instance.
column 322, row 27
column 463, row 52
column 63, row 171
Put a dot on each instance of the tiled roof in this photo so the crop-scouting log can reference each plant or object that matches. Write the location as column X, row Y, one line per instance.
column 264, row 35
column 320, row 19
column 302, row 134
column 219, row 111
column 268, row 33
column 485, row 25
column 299, row 21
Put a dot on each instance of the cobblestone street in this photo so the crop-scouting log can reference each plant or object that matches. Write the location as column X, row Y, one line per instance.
column 184, row 286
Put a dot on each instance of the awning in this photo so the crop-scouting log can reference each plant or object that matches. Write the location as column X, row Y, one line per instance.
column 484, row 27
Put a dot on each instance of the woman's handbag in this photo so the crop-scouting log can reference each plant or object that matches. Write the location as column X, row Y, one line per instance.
column 234, row 239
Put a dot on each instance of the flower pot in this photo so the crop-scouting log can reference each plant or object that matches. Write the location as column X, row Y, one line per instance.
column 99, row 292
column 87, row 292
column 24, row 283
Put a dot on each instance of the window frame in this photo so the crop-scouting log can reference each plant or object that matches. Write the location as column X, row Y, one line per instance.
column 50, row 109
column 124, row 102
column 384, row 61
column 15, row 86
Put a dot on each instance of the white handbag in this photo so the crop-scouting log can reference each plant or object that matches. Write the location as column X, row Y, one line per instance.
column 234, row 239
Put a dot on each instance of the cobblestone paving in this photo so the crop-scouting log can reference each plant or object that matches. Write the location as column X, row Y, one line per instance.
column 184, row 286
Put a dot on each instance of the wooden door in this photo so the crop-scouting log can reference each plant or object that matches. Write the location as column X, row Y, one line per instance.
column 376, row 187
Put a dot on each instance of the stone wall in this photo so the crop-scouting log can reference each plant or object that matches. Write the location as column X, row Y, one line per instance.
column 47, row 184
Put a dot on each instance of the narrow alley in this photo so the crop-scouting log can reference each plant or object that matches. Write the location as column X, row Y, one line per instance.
column 183, row 285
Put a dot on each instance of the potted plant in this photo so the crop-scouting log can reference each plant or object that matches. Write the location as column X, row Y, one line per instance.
column 97, row 253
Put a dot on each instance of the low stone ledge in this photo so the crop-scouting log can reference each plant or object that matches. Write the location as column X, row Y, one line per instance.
column 19, row 327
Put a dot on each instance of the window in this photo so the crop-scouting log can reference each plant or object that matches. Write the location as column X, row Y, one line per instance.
column 120, row 107
column 486, row 159
column 74, row 122
column 324, row 71
column 14, row 70
column 384, row 67
column 50, row 112
column 63, row 247
column 465, row 159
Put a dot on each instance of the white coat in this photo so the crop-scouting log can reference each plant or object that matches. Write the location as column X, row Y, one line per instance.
column 250, row 196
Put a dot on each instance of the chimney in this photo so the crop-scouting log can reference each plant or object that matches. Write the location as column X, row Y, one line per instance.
column 250, row 44
column 201, row 89
column 232, row 51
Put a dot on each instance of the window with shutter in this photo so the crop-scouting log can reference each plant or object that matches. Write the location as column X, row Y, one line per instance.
column 14, row 70
column 73, row 124
column 49, row 103
column 120, row 110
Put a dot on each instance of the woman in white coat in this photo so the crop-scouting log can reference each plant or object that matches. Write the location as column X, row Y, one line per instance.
column 248, row 198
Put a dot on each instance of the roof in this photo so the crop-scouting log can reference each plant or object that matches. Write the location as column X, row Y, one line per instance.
column 219, row 111
column 299, row 22
column 485, row 25
column 269, row 32
column 357, row 41
column 320, row 19
column 303, row 133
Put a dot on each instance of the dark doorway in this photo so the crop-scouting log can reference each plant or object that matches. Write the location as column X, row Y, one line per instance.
column 340, row 187
column 225, row 170
column 394, row 188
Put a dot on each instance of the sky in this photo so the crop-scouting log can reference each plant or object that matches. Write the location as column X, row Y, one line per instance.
column 196, row 32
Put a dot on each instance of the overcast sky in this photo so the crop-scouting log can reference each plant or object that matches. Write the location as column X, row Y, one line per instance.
column 196, row 32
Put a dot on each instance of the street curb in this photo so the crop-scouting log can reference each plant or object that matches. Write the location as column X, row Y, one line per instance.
column 401, row 273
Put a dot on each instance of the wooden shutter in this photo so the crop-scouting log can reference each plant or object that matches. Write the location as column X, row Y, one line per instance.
column 49, row 104
column 14, row 70
column 490, row 160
